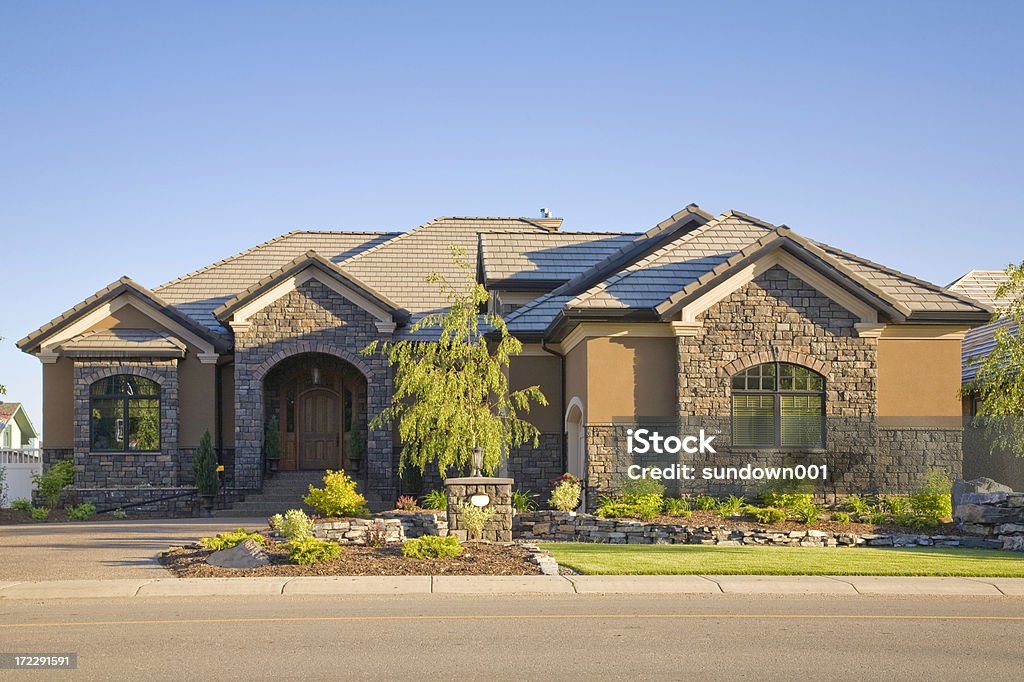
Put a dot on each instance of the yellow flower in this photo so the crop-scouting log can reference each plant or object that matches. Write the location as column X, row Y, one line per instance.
column 220, row 467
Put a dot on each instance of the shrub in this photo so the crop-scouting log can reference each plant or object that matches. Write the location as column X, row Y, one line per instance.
column 676, row 506
column 120, row 513
column 231, row 538
column 859, row 505
column 916, row 521
column 934, row 499
column 40, row 513
column 204, row 466
column 565, row 496
column 50, row 484
column 432, row 547
column 807, row 513
column 310, row 550
column 435, row 499
column 82, row 512
column 644, row 507
column 730, row 506
column 338, row 497
column 876, row 517
column 786, row 500
column 377, row 534
column 406, row 503
column 293, row 525
column 841, row 517
column 768, row 514
column 704, row 503
column 897, row 505
column 272, row 439
column 22, row 504
column 524, row 500
column 641, row 486
column 474, row 518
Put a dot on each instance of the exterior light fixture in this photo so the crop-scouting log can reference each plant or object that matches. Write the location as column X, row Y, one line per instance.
column 316, row 376
column 478, row 461
column 479, row 500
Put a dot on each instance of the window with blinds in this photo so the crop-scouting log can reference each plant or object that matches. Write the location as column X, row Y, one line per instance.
column 778, row 404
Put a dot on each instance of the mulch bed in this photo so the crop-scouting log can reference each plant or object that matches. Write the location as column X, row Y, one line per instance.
column 706, row 518
column 477, row 559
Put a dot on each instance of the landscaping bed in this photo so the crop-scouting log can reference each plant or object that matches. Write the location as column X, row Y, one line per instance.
column 477, row 559
column 16, row 516
column 741, row 522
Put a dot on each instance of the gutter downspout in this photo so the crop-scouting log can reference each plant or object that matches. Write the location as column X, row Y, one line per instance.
column 561, row 418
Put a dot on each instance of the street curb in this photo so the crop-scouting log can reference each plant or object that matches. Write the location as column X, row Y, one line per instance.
column 529, row 584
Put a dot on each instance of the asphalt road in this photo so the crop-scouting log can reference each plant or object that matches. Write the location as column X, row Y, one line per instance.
column 551, row 637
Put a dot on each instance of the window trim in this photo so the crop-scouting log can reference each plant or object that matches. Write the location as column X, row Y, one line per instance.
column 777, row 395
column 125, row 398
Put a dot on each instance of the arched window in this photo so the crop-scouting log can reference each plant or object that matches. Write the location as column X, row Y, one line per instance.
column 124, row 414
column 778, row 404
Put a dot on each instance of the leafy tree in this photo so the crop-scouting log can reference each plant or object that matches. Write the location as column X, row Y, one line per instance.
column 451, row 394
column 999, row 381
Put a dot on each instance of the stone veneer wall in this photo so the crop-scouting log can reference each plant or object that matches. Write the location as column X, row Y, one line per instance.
column 998, row 515
column 780, row 317
column 113, row 470
column 312, row 319
column 395, row 526
column 499, row 490
column 535, row 469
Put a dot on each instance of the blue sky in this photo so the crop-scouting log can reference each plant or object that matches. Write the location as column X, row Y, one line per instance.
column 149, row 139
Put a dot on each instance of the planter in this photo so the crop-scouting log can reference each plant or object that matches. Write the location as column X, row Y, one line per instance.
column 273, row 465
column 207, row 500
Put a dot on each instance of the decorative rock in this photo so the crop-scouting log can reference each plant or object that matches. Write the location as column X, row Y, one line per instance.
column 977, row 485
column 245, row 555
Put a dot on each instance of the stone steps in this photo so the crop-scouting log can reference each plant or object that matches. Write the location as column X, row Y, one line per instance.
column 285, row 491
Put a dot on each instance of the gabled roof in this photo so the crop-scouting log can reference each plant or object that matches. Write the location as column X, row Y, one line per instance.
column 538, row 261
column 981, row 285
column 310, row 259
column 125, row 285
column 399, row 268
column 16, row 411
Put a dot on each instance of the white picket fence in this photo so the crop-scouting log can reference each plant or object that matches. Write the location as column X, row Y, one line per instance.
column 20, row 465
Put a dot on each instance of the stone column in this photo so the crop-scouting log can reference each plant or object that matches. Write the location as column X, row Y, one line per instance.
column 499, row 494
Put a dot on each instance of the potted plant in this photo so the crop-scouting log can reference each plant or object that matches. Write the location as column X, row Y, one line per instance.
column 204, row 467
column 272, row 447
column 356, row 448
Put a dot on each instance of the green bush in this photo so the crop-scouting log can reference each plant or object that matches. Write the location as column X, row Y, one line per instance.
column 338, row 497
column 915, row 521
column 272, row 440
column 50, row 484
column 120, row 513
column 897, row 505
column 676, row 506
column 565, row 496
column 435, row 499
column 876, row 517
column 807, row 513
column 641, row 486
column 82, row 512
column 231, row 538
column 704, row 503
column 40, row 513
column 730, row 506
column 310, row 550
column 841, row 517
column 22, row 504
column 786, row 500
column 524, row 500
column 768, row 514
column 293, row 524
column 474, row 518
column 933, row 500
column 432, row 547
column 644, row 507
column 858, row 505
column 204, row 466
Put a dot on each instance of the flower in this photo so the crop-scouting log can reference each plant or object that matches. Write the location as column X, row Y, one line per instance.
column 220, row 468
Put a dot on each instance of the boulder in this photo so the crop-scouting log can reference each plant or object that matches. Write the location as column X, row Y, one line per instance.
column 245, row 555
column 977, row 485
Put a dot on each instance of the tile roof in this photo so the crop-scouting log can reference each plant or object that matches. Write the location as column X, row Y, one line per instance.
column 545, row 258
column 981, row 285
column 125, row 339
column 979, row 342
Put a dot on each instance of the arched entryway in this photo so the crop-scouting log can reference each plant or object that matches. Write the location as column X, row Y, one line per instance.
column 319, row 401
column 576, row 451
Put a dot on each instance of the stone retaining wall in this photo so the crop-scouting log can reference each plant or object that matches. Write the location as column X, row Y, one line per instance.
column 998, row 516
column 395, row 527
column 573, row 527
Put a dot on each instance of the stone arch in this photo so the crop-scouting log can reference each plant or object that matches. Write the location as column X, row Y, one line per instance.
column 114, row 370
column 784, row 355
column 260, row 371
column 575, row 440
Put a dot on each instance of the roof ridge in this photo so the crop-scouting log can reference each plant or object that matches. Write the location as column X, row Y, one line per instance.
column 399, row 235
column 567, row 234
column 222, row 261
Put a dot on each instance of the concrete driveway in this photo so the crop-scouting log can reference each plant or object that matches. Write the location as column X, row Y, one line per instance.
column 110, row 549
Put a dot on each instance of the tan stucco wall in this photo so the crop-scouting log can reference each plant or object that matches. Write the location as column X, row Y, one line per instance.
column 127, row 317
column 196, row 400
column 227, row 404
column 629, row 377
column 545, row 372
column 58, row 404
column 918, row 378
column 576, row 376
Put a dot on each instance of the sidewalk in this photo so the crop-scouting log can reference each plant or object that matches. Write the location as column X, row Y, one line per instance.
column 490, row 585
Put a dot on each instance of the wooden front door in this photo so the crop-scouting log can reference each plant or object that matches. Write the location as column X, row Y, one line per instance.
column 319, row 432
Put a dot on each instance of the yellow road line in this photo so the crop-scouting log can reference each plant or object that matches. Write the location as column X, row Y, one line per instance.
column 567, row 616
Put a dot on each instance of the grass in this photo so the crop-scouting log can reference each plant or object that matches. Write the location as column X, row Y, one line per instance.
column 595, row 559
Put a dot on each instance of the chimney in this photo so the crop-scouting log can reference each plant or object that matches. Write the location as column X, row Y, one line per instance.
column 547, row 221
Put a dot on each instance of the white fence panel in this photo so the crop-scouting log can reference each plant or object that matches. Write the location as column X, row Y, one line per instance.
column 20, row 466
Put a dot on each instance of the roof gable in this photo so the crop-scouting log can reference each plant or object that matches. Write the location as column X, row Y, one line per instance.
column 982, row 285
column 16, row 412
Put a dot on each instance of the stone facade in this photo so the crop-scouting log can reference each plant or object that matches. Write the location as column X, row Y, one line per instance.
column 998, row 516
column 393, row 527
column 113, row 470
column 311, row 319
column 499, row 490
column 535, row 469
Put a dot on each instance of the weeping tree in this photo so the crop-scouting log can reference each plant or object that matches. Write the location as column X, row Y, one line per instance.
column 451, row 391
column 999, row 382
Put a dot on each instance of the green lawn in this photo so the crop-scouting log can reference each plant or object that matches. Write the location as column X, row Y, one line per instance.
column 590, row 558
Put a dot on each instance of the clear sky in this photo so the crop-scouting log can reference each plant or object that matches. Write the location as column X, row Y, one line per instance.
column 150, row 139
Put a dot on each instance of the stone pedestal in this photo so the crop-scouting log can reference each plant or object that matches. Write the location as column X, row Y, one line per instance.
column 499, row 492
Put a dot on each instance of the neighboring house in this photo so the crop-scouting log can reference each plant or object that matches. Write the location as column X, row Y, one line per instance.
column 16, row 429
column 979, row 459
column 701, row 318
